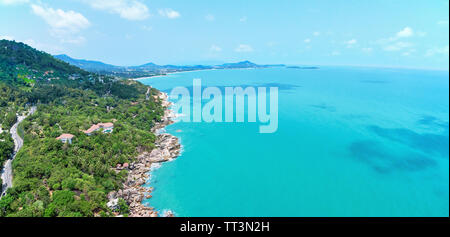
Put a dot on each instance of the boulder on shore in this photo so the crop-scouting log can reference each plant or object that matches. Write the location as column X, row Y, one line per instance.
column 113, row 204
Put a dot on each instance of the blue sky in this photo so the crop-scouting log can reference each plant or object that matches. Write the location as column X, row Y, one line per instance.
column 400, row 33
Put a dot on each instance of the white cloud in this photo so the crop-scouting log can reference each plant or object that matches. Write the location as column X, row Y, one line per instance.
column 147, row 28
column 64, row 24
column 59, row 19
column 438, row 51
column 6, row 37
column 406, row 32
column 215, row 48
column 351, row 42
column 169, row 13
column 210, row 17
column 127, row 9
column 367, row 50
column 128, row 36
column 73, row 40
column 409, row 52
column 271, row 44
column 307, row 41
column 421, row 33
column 335, row 53
column 394, row 44
column 12, row 2
column 317, row 33
column 398, row 46
column 244, row 48
column 443, row 22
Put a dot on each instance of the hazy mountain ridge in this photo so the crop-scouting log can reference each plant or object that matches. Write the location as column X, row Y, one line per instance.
column 151, row 69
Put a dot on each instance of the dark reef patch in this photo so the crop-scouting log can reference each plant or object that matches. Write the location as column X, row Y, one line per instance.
column 432, row 122
column 324, row 107
column 427, row 142
column 383, row 162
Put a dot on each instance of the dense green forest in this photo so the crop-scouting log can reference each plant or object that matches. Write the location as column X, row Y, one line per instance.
column 6, row 147
column 54, row 179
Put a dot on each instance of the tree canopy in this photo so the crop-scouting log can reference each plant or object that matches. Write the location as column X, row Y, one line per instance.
column 53, row 179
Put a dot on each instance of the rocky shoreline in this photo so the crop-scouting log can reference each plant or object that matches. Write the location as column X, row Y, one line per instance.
column 167, row 149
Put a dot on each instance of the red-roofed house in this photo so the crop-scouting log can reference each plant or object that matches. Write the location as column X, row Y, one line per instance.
column 107, row 128
column 122, row 167
column 66, row 138
column 92, row 129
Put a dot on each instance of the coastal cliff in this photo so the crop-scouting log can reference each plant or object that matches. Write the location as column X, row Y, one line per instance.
column 167, row 148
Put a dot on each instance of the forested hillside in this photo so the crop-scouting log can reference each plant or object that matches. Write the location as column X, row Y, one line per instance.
column 52, row 178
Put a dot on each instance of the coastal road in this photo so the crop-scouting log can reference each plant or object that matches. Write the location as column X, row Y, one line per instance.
column 6, row 173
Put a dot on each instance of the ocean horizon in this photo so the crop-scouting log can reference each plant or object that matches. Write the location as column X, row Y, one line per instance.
column 365, row 142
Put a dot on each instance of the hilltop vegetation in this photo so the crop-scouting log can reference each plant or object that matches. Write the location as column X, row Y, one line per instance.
column 16, row 58
column 56, row 179
column 23, row 68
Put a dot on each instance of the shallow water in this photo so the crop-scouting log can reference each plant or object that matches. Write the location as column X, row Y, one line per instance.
column 350, row 142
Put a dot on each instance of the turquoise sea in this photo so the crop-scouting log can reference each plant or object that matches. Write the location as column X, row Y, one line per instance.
column 351, row 142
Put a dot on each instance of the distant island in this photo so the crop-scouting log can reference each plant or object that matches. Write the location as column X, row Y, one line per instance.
column 298, row 67
column 303, row 68
column 151, row 69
